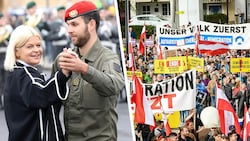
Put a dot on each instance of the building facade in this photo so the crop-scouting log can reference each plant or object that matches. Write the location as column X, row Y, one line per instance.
column 19, row 6
column 181, row 12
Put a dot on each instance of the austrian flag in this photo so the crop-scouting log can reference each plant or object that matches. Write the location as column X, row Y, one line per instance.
column 143, row 111
column 142, row 37
column 246, row 131
column 212, row 48
column 226, row 113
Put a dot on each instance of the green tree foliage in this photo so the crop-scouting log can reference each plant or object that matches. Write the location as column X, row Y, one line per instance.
column 216, row 18
column 150, row 29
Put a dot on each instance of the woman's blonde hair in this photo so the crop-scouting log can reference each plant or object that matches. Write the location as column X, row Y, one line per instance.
column 18, row 39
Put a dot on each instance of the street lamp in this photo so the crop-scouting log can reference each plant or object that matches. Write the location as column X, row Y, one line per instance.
column 227, row 12
column 246, row 9
column 126, row 23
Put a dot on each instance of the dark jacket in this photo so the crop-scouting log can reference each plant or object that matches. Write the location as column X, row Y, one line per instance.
column 228, row 91
column 58, row 34
column 29, row 112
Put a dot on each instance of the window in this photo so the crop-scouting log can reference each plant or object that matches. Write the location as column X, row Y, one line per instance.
column 166, row 9
column 146, row 10
column 215, row 9
column 152, row 18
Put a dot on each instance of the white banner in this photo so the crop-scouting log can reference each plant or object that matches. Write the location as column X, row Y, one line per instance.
column 176, row 38
column 236, row 36
column 176, row 94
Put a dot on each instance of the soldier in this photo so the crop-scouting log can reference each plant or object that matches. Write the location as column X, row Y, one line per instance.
column 37, row 20
column 33, row 18
column 58, row 34
column 5, row 30
column 96, row 79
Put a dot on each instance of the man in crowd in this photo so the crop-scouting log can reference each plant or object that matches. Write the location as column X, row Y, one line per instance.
column 211, row 88
column 58, row 35
column 172, row 136
column 5, row 30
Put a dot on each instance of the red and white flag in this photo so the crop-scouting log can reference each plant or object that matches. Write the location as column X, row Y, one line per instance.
column 212, row 48
column 167, row 127
column 159, row 52
column 142, row 37
column 246, row 131
column 131, row 56
column 143, row 111
column 197, row 38
column 226, row 113
column 164, row 118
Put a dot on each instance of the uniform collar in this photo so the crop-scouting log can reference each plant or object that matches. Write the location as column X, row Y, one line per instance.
column 22, row 63
column 93, row 52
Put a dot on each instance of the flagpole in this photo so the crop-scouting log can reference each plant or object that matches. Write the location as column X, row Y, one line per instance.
column 144, row 40
column 194, row 120
column 197, row 36
column 145, row 48
column 134, row 64
column 240, row 90
column 126, row 24
column 166, row 124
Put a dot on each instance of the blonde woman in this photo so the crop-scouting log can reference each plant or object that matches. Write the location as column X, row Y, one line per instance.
column 32, row 104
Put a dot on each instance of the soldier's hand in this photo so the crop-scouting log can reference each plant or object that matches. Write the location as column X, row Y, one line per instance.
column 69, row 60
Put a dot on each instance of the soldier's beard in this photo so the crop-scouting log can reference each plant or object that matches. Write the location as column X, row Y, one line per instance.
column 83, row 38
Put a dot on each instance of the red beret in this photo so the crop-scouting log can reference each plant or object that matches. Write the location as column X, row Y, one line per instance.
column 78, row 9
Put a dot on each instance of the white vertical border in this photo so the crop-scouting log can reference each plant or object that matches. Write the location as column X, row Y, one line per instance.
column 124, row 69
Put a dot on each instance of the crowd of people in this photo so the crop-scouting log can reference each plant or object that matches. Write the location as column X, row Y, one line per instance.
column 55, row 35
column 216, row 72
